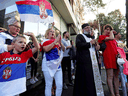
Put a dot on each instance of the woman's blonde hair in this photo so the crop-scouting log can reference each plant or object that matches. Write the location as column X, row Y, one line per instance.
column 15, row 39
column 47, row 32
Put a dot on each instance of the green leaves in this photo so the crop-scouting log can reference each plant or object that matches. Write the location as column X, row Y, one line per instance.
column 93, row 5
column 114, row 18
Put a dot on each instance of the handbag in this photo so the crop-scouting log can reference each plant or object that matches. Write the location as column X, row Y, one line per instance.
column 119, row 60
column 102, row 46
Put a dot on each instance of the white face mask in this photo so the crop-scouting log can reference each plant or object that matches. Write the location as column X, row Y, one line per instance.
column 85, row 32
column 120, row 61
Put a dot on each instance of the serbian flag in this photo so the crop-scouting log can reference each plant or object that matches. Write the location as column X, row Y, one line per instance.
column 53, row 57
column 13, row 72
column 35, row 11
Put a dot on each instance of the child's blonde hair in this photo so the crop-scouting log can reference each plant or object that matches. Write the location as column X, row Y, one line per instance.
column 15, row 39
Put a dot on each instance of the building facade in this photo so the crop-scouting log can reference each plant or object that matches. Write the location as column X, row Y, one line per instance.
column 2, row 15
column 68, row 15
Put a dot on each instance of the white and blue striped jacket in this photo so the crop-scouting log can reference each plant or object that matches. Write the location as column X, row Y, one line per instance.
column 5, row 39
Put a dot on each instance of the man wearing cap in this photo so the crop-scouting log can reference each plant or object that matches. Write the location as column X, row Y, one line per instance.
column 85, row 55
column 7, row 36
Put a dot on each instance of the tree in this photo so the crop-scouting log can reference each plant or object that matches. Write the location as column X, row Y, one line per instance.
column 115, row 19
column 94, row 6
column 127, row 21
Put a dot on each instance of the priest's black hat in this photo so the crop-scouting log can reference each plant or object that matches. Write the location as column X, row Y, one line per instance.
column 84, row 25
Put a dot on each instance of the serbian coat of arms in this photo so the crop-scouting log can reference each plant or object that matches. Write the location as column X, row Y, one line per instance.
column 7, row 73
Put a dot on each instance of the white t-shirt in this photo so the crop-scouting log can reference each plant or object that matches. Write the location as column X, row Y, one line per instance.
column 66, row 43
column 119, row 41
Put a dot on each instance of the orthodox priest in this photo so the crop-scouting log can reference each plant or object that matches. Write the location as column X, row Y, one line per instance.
column 87, row 79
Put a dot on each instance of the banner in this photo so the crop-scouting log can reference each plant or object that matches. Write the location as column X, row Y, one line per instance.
column 35, row 11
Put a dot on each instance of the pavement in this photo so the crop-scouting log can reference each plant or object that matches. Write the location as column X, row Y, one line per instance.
column 38, row 89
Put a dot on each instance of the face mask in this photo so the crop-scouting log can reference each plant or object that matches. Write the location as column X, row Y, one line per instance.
column 85, row 32
column 120, row 61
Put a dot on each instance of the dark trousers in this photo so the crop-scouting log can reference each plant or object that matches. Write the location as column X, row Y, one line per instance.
column 99, row 65
column 33, row 67
column 66, row 63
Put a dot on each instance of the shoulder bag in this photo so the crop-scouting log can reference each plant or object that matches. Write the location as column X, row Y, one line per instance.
column 102, row 46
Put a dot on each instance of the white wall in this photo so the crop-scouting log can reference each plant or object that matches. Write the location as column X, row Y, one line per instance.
column 60, row 24
column 56, row 19
column 63, row 26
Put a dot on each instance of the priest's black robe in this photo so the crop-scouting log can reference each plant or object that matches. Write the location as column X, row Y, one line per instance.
column 84, row 80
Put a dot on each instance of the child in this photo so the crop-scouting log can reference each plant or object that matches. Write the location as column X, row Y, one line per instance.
column 33, row 61
column 12, row 66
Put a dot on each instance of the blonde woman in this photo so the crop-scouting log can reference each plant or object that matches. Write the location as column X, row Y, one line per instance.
column 51, row 63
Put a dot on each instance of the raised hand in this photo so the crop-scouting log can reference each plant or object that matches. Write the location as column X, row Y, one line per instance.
column 60, row 38
column 57, row 39
column 29, row 34
column 114, row 32
column 93, row 41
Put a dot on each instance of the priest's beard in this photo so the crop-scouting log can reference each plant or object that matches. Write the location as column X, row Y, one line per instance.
column 85, row 32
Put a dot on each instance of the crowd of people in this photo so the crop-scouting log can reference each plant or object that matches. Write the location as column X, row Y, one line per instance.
column 82, row 61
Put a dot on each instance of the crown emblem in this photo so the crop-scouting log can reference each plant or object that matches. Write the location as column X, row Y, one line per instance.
column 42, row 5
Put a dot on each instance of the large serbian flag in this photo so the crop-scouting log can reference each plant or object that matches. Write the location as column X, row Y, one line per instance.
column 35, row 11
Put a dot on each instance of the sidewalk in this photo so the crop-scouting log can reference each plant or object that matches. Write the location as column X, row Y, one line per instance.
column 39, row 90
column 105, row 87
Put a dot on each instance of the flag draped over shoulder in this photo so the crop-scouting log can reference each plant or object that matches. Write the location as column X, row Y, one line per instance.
column 35, row 11
column 53, row 59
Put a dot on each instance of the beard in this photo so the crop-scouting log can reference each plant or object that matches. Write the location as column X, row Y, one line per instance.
column 85, row 32
column 67, row 37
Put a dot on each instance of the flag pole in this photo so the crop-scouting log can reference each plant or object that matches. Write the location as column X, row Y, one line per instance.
column 38, row 29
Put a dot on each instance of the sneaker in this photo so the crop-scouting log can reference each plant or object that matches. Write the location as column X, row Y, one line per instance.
column 103, row 83
column 71, row 84
column 65, row 86
column 73, row 77
column 32, row 81
column 36, row 79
